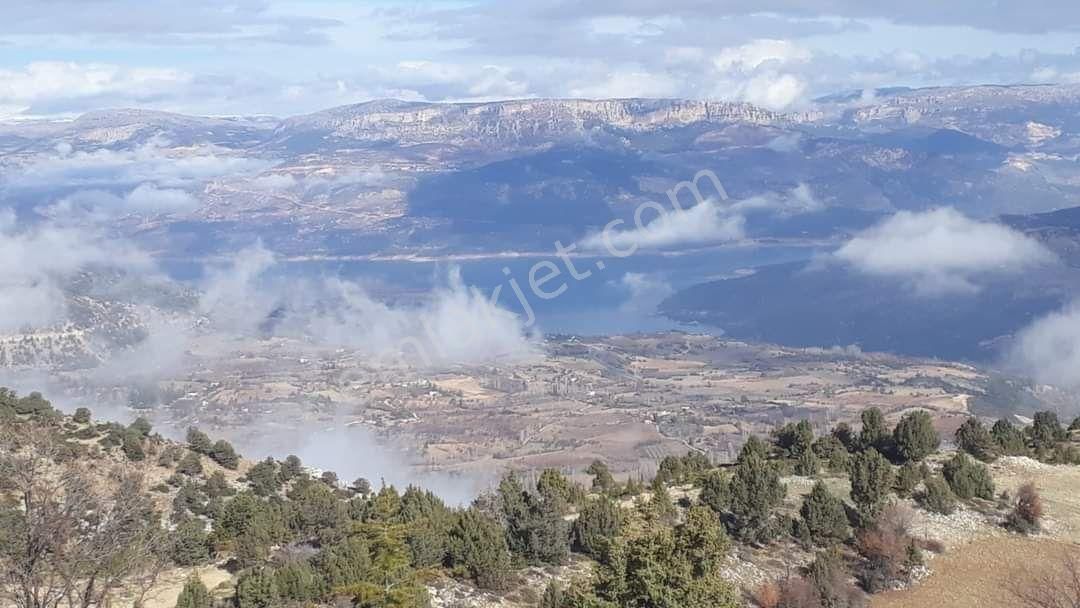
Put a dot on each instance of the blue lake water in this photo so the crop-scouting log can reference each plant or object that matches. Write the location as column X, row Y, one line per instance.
column 618, row 296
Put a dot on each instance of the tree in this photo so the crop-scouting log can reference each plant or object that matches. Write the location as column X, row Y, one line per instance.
column 256, row 589
column 296, row 580
column 190, row 465
column 292, row 467
column 755, row 490
column 361, row 486
column 223, row 453
column 597, row 526
column 190, row 543
column 833, row 453
column 198, row 441
column 806, row 464
column 1009, row 439
column 871, row 479
column 554, row 596
column 1046, row 431
column 908, row 477
column 141, row 426
column 70, row 541
column 263, row 478
column 715, row 491
column 968, row 478
column 888, row 549
column 829, row 580
column 603, row 481
column 915, row 437
column 82, row 416
column 1026, row 516
column 478, row 549
column 973, row 438
column 653, row 570
column 825, row 516
column 702, row 539
column 345, row 563
column 937, row 496
column 194, row 594
column 874, row 434
column 794, row 439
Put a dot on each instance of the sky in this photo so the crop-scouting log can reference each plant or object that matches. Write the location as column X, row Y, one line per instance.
column 216, row 57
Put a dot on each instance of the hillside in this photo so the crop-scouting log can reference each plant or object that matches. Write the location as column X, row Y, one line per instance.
column 135, row 514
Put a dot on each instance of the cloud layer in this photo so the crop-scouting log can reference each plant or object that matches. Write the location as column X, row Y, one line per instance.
column 941, row 251
column 1049, row 349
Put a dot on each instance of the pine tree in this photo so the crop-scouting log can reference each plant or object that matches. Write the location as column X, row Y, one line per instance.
column 915, row 437
column 871, row 479
column 874, row 434
column 198, row 441
column 973, row 438
column 597, row 526
column 222, row 452
column 755, row 490
column 478, row 548
column 1009, row 439
column 824, row 516
column 715, row 491
column 256, row 589
column 937, row 496
column 194, row 594
column 603, row 481
column 968, row 478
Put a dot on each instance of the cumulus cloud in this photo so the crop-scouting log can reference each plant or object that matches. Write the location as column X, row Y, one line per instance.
column 941, row 251
column 153, row 161
column 706, row 222
column 1049, row 348
column 455, row 324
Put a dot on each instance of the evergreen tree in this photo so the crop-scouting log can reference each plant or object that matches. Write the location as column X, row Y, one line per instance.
column 256, row 589
column 82, row 416
column 291, row 468
column 806, row 464
column 794, row 439
column 190, row 465
column 222, row 452
column 263, row 478
column 715, row 491
column 915, row 437
column 554, row 596
column 968, row 478
column 832, row 453
column 190, row 543
column 198, row 441
column 345, row 563
column 824, row 516
column 603, row 481
column 755, row 490
column 597, row 526
column 1046, row 431
column 478, row 548
column 908, row 477
column 973, row 438
column 194, row 594
column 296, row 580
column 702, row 540
column 1009, row 439
column 937, row 496
column 871, row 479
column 874, row 434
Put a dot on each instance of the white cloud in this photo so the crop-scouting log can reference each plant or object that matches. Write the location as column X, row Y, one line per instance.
column 53, row 81
column 628, row 83
column 941, row 251
column 706, row 222
column 644, row 291
column 1049, row 348
column 751, row 56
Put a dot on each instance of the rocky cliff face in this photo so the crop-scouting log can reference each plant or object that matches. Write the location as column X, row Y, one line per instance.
column 515, row 121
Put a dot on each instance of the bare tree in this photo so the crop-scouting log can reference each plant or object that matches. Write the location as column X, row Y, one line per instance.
column 68, row 539
column 1057, row 588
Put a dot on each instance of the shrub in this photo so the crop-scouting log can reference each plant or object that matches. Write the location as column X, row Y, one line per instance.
column 968, row 478
column 190, row 464
column 190, row 543
column 886, row 545
column 198, row 441
column 1026, row 516
column 915, row 437
column 908, row 477
column 973, row 438
column 222, row 452
column 937, row 497
column 1009, row 439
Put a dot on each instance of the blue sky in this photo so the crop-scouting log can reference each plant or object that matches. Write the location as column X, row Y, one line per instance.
column 63, row 57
